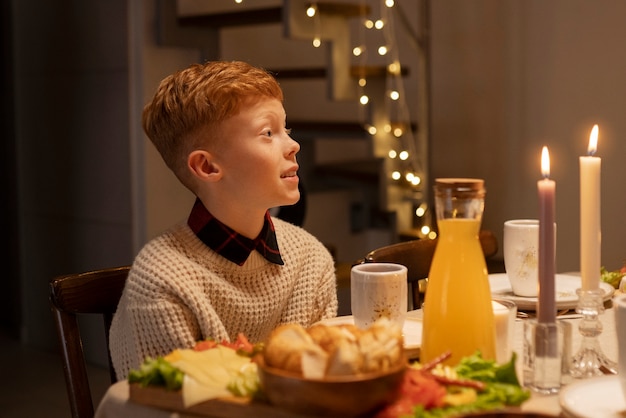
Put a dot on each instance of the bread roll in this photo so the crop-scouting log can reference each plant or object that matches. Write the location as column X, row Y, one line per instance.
column 335, row 350
column 285, row 348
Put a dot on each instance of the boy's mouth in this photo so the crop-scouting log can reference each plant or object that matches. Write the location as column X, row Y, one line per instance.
column 289, row 174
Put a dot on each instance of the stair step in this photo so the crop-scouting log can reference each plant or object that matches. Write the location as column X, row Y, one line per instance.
column 314, row 128
column 268, row 15
column 239, row 18
column 365, row 171
column 342, row 9
column 322, row 72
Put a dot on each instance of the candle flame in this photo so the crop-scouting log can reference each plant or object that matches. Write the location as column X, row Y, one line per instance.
column 545, row 162
column 593, row 141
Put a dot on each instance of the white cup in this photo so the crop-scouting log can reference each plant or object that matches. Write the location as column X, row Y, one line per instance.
column 378, row 290
column 619, row 306
column 504, row 313
column 521, row 244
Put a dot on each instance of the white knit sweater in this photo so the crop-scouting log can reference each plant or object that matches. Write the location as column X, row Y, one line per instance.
column 180, row 291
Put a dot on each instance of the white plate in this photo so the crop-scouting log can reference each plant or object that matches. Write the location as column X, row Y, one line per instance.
column 411, row 331
column 598, row 397
column 566, row 286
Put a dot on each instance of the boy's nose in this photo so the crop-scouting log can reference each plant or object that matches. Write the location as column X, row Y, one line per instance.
column 294, row 146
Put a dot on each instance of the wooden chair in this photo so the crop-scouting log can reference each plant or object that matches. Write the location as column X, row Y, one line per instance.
column 94, row 292
column 417, row 256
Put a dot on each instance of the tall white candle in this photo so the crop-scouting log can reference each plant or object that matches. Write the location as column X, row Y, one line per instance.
column 546, row 304
column 590, row 235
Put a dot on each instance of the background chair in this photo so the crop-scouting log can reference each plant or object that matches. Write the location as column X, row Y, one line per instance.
column 94, row 292
column 417, row 256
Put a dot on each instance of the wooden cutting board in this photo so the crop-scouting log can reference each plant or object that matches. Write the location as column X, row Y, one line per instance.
column 232, row 407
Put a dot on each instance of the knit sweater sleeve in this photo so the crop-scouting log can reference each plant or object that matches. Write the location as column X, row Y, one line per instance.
column 150, row 322
column 328, row 298
column 159, row 310
column 315, row 270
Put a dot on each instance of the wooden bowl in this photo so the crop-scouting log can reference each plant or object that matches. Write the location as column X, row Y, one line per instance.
column 344, row 396
column 507, row 414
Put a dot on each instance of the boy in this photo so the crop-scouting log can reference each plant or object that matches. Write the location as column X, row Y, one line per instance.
column 230, row 268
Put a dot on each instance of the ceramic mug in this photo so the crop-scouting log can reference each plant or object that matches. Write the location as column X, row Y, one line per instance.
column 619, row 306
column 378, row 290
column 521, row 245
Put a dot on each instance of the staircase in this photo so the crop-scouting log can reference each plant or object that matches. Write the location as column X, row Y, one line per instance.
column 340, row 161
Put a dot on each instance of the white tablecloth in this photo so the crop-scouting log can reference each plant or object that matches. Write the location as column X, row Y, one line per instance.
column 115, row 403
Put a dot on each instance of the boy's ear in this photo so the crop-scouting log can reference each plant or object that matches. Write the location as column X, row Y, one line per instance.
column 202, row 165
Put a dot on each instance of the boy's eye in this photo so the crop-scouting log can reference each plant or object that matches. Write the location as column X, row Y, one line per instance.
column 269, row 133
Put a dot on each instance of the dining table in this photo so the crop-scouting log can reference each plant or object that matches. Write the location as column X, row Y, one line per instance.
column 116, row 402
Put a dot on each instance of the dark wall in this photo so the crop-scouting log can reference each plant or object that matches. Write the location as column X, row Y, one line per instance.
column 10, row 317
column 72, row 150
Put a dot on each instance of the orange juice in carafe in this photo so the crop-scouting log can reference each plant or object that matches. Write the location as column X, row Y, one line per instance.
column 458, row 314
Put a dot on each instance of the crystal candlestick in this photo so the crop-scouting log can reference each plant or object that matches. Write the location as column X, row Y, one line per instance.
column 590, row 361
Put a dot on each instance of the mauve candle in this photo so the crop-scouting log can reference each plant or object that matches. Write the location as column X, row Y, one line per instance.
column 546, row 304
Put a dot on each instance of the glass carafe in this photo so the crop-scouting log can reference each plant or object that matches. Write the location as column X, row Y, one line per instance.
column 458, row 313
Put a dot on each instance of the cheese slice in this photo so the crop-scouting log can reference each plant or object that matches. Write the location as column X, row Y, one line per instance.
column 207, row 373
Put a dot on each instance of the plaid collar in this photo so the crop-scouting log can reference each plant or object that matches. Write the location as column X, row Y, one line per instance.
column 230, row 244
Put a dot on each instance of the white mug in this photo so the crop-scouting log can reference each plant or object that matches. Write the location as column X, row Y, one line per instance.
column 521, row 245
column 378, row 290
column 619, row 306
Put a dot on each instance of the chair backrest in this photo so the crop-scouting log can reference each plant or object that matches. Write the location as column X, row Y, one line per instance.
column 94, row 292
column 417, row 256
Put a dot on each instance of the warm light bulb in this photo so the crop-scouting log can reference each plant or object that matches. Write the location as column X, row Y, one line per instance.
column 392, row 154
column 311, row 10
column 409, row 177
column 317, row 42
column 432, row 235
column 389, row 3
column 357, row 51
column 368, row 24
column 396, row 175
column 364, row 99
column 416, row 180
column 372, row 130
column 387, row 128
column 394, row 68
column 362, row 82
column 379, row 24
column 397, row 132
column 404, row 155
column 425, row 230
column 394, row 95
column 382, row 50
column 421, row 210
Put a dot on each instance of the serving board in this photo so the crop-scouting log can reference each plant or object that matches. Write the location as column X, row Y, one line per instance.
column 231, row 407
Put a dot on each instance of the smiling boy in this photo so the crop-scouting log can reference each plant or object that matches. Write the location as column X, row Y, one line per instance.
column 230, row 268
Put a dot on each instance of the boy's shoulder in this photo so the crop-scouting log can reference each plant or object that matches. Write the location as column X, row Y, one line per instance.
column 281, row 225
column 288, row 230
column 175, row 238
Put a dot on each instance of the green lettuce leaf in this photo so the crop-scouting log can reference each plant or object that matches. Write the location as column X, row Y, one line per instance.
column 502, row 388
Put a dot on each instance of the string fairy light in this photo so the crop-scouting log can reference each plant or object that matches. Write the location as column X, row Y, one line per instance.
column 312, row 12
column 407, row 158
column 405, row 161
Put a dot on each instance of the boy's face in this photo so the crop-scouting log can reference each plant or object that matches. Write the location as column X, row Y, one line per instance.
column 258, row 157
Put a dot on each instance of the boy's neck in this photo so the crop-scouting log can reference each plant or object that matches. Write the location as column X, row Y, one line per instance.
column 244, row 220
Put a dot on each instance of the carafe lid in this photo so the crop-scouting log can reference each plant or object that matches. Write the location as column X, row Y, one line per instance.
column 461, row 184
